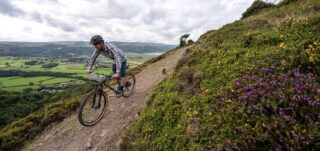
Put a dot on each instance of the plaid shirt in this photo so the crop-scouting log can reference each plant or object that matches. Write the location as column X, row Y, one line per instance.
column 111, row 51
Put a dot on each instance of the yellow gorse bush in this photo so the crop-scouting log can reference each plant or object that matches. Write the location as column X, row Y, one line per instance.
column 282, row 45
column 313, row 51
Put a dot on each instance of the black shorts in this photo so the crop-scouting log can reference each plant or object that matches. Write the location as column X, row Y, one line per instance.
column 123, row 69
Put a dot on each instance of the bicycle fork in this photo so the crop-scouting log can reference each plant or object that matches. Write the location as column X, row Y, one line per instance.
column 97, row 103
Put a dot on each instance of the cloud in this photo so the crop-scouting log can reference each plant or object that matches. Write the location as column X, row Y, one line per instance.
column 36, row 16
column 68, row 27
column 121, row 10
column 154, row 14
column 8, row 9
column 117, row 20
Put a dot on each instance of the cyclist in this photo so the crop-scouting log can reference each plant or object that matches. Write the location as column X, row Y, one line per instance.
column 117, row 55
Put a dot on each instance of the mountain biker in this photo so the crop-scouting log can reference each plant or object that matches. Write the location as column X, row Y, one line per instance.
column 117, row 55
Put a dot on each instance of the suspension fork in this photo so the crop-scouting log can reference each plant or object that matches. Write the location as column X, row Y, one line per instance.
column 94, row 105
column 101, row 90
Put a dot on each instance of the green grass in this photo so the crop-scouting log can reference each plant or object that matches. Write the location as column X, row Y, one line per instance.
column 20, row 88
column 15, row 134
column 181, row 114
column 23, row 81
column 20, row 83
column 2, row 79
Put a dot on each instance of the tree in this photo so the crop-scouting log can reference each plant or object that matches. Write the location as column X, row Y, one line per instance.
column 190, row 41
column 27, row 90
column 183, row 40
column 32, row 62
column 50, row 65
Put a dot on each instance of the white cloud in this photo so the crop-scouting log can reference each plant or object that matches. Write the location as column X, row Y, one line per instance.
column 116, row 20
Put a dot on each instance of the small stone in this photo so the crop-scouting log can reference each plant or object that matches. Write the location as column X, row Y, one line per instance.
column 111, row 108
column 89, row 145
column 122, row 105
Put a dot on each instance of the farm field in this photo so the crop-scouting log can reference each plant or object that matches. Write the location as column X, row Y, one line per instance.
column 19, row 83
column 78, row 69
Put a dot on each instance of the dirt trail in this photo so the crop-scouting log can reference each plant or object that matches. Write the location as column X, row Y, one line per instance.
column 69, row 135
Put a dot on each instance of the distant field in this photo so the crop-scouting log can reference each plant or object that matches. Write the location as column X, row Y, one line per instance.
column 20, row 83
column 65, row 67
column 17, row 83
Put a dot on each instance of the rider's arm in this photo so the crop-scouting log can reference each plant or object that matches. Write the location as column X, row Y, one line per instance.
column 93, row 59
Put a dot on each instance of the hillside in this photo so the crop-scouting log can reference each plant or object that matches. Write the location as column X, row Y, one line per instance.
column 250, row 85
column 42, row 130
column 106, row 135
column 73, row 48
column 253, row 84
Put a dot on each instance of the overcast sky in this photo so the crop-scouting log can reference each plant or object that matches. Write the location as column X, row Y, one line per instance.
column 116, row 20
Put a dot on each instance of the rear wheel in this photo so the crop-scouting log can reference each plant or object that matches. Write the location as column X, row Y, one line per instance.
column 92, row 108
column 129, row 86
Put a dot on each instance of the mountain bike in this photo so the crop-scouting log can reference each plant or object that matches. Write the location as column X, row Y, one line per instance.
column 95, row 102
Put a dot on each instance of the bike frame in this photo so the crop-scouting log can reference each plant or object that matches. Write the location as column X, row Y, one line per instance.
column 99, row 88
column 103, row 84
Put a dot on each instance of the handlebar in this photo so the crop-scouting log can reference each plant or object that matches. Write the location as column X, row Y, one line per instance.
column 99, row 77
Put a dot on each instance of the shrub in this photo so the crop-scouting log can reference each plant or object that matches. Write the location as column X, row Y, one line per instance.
column 190, row 80
column 313, row 51
column 14, row 135
column 164, row 71
column 286, row 2
column 287, row 103
column 50, row 65
column 32, row 62
column 256, row 7
column 190, row 41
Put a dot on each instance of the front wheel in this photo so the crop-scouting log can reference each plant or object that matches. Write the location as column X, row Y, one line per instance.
column 92, row 107
column 129, row 86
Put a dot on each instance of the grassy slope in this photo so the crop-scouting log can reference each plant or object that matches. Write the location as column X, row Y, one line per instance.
column 181, row 116
column 16, row 133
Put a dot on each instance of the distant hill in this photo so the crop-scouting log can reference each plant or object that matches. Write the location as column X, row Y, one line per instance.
column 73, row 48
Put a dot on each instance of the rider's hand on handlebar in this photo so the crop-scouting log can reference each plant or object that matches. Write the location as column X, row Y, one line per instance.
column 115, row 76
column 89, row 71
